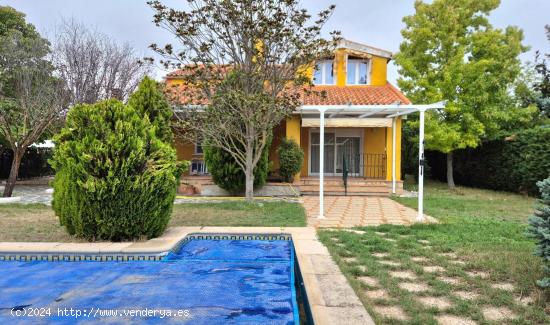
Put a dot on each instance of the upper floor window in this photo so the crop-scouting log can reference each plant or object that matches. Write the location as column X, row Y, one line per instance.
column 198, row 148
column 324, row 73
column 358, row 72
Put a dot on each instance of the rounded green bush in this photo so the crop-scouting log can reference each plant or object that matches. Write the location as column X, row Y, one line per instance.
column 291, row 158
column 227, row 174
column 115, row 180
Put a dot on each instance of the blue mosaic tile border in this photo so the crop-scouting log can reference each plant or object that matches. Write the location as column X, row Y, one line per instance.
column 77, row 257
column 220, row 236
column 106, row 257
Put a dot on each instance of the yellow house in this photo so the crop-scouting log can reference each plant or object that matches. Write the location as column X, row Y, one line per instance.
column 362, row 126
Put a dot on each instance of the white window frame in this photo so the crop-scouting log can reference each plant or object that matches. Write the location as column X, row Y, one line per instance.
column 356, row 82
column 325, row 66
column 196, row 152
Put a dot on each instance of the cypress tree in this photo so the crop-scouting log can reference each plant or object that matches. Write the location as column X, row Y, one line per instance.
column 115, row 179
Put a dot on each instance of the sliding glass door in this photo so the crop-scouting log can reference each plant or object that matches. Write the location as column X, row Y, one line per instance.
column 340, row 146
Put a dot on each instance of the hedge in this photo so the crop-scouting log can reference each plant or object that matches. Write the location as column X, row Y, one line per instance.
column 34, row 163
column 514, row 163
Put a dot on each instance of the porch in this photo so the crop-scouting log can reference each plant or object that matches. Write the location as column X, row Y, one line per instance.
column 354, row 186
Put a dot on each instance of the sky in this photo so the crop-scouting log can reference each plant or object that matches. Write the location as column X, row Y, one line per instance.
column 374, row 22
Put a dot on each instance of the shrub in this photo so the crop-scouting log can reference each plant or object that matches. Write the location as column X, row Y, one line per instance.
column 514, row 163
column 115, row 180
column 148, row 100
column 291, row 158
column 227, row 174
column 539, row 228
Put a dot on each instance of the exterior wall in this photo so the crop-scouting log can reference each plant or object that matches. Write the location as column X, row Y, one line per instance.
column 278, row 134
column 379, row 71
column 305, row 147
column 389, row 144
column 185, row 151
column 374, row 142
column 293, row 131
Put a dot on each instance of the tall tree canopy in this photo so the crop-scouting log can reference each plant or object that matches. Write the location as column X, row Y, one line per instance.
column 266, row 43
column 542, row 86
column 451, row 52
column 31, row 97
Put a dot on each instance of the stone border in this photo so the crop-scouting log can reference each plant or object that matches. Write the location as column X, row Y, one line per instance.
column 330, row 297
column 12, row 199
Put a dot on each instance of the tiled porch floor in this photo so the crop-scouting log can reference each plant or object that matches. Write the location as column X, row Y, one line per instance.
column 352, row 211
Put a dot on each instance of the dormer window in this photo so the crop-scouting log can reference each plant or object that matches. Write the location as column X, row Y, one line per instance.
column 358, row 72
column 324, row 73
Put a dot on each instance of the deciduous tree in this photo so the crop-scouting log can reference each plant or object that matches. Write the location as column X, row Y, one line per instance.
column 31, row 98
column 93, row 65
column 266, row 43
column 451, row 52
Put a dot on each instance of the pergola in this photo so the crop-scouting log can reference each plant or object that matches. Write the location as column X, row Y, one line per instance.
column 391, row 111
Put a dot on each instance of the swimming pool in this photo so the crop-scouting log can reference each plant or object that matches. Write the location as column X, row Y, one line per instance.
column 201, row 281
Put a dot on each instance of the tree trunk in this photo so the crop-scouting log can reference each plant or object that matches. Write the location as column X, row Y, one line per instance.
column 10, row 183
column 450, row 178
column 249, row 173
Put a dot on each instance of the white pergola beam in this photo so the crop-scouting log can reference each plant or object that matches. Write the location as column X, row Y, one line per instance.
column 376, row 111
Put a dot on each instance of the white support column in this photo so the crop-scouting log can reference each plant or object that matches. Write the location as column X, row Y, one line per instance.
column 322, row 164
column 393, row 173
column 420, row 216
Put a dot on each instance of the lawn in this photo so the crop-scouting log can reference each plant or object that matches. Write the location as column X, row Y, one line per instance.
column 37, row 222
column 475, row 266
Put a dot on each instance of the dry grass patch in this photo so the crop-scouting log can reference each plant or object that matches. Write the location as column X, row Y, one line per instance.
column 419, row 259
column 454, row 320
column 440, row 303
column 497, row 313
column 450, row 280
column 350, row 260
column 433, row 269
column 414, row 287
column 466, row 295
column 393, row 312
column 390, row 263
column 506, row 286
column 380, row 255
column 478, row 274
column 370, row 281
column 403, row 275
column 377, row 294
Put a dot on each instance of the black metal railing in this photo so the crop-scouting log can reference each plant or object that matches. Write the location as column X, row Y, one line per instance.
column 362, row 165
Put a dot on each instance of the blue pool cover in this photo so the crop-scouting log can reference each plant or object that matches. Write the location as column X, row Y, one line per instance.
column 203, row 282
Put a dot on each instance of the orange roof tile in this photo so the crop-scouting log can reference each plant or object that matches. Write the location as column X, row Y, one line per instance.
column 356, row 95
column 319, row 95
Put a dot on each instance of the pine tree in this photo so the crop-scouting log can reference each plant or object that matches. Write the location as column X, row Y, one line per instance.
column 539, row 228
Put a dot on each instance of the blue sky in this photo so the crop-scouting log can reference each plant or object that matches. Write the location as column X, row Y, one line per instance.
column 374, row 22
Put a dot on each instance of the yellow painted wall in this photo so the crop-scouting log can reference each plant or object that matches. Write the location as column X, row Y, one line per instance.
column 379, row 71
column 279, row 133
column 305, row 147
column 389, row 143
column 293, row 131
column 374, row 142
column 185, row 151
column 340, row 61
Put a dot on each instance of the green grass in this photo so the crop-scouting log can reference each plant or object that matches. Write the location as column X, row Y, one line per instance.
column 37, row 222
column 485, row 229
